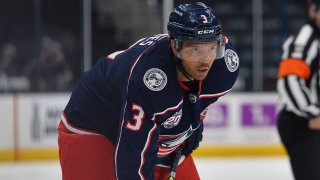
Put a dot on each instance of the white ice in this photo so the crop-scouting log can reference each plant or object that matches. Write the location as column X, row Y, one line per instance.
column 212, row 168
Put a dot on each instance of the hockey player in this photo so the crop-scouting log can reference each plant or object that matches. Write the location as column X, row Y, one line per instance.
column 298, row 87
column 129, row 114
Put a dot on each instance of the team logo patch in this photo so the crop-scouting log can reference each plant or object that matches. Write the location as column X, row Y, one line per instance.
column 155, row 79
column 173, row 120
column 232, row 60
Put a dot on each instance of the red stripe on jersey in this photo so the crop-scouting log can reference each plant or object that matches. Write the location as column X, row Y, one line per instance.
column 200, row 87
column 167, row 110
column 183, row 86
column 146, row 147
column 205, row 96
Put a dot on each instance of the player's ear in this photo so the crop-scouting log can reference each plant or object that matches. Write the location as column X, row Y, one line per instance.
column 173, row 46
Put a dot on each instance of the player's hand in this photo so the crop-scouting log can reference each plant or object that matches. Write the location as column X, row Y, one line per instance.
column 193, row 141
column 314, row 123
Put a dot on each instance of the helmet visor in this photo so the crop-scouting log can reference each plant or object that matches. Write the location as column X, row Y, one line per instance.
column 201, row 51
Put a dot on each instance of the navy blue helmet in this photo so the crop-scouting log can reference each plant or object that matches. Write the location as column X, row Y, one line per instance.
column 194, row 23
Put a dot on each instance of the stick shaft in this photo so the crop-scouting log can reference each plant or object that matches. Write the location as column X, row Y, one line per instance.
column 173, row 169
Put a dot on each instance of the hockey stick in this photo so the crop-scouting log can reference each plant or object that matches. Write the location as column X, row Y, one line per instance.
column 172, row 173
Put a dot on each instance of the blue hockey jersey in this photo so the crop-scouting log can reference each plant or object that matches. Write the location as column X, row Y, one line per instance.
column 133, row 97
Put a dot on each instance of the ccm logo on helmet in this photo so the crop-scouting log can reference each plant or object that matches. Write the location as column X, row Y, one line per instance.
column 206, row 32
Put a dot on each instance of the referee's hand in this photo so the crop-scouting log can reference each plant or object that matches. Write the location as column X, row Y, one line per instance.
column 314, row 123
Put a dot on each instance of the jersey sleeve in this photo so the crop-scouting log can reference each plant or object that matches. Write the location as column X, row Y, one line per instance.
column 222, row 75
column 136, row 151
column 297, row 73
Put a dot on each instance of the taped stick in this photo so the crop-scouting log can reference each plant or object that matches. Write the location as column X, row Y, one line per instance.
column 173, row 169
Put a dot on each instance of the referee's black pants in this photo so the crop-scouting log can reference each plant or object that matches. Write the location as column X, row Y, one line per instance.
column 302, row 145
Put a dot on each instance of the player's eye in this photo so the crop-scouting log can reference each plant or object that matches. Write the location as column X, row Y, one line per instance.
column 213, row 48
column 194, row 49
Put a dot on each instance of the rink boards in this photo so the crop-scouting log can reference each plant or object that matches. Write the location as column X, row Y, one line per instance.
column 239, row 124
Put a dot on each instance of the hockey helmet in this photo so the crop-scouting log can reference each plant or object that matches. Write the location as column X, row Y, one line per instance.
column 195, row 23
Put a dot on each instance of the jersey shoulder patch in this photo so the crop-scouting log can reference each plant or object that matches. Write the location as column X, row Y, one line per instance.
column 231, row 59
column 155, row 79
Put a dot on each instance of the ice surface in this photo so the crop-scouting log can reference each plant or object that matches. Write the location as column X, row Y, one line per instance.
column 210, row 168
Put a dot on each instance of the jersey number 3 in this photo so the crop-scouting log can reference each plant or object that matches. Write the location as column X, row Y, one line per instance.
column 137, row 118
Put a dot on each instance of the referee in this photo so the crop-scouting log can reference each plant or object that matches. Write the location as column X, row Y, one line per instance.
column 299, row 91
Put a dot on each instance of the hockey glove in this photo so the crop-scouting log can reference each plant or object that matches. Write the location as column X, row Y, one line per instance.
column 192, row 143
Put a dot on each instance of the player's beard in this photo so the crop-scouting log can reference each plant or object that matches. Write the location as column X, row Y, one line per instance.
column 191, row 73
column 198, row 72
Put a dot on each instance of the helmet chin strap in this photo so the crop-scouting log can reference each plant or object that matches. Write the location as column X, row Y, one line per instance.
column 178, row 63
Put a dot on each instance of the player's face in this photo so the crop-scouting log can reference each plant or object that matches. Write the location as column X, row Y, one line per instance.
column 317, row 18
column 314, row 14
column 197, row 58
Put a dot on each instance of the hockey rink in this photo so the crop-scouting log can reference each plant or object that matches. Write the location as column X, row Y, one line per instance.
column 231, row 168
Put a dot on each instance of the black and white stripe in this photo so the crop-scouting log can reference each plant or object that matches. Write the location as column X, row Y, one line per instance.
column 296, row 94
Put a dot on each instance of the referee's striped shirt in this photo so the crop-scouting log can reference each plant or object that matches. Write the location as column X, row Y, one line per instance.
column 298, row 76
